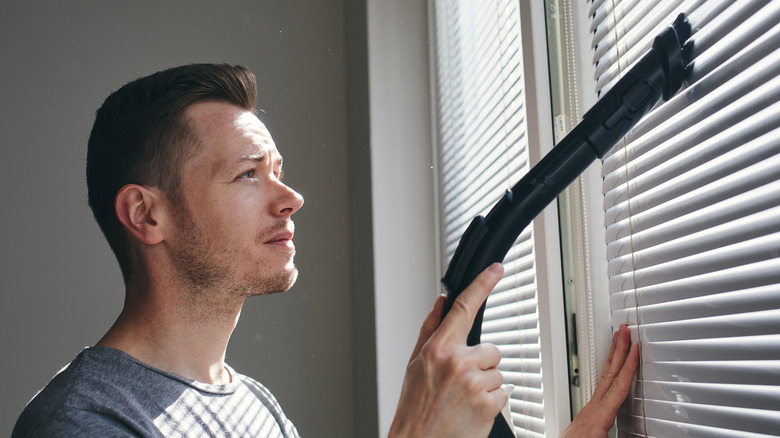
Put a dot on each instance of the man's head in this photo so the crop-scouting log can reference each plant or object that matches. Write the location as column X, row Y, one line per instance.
column 146, row 134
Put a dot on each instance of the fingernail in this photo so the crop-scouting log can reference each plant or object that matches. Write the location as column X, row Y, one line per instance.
column 496, row 268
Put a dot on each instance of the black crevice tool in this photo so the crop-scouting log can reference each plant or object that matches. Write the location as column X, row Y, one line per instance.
column 658, row 74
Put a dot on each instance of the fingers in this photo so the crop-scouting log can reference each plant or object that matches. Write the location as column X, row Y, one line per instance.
column 460, row 318
column 598, row 415
column 487, row 355
column 498, row 400
column 617, row 357
column 612, row 348
column 486, row 385
column 493, row 379
column 621, row 385
column 430, row 324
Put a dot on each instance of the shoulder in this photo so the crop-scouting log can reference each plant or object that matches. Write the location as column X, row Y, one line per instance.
column 68, row 422
column 87, row 397
column 91, row 379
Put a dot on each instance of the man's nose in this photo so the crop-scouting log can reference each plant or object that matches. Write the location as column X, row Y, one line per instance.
column 291, row 200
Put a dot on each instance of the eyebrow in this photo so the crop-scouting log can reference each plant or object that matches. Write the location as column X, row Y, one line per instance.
column 259, row 158
column 251, row 157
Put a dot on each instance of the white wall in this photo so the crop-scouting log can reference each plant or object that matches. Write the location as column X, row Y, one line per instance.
column 61, row 288
column 406, row 281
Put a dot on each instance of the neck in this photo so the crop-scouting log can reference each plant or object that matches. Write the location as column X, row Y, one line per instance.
column 168, row 329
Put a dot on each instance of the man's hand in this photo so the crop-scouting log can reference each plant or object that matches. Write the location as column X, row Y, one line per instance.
column 598, row 415
column 451, row 389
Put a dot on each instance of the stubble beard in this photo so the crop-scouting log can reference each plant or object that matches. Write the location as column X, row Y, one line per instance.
column 207, row 270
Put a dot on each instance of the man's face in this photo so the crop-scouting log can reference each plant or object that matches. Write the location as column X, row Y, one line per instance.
column 234, row 231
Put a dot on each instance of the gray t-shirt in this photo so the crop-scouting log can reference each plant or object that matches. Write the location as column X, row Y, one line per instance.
column 105, row 392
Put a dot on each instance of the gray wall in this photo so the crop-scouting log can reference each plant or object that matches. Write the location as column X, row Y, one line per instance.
column 61, row 286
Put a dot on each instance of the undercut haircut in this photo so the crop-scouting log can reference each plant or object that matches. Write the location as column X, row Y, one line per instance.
column 142, row 136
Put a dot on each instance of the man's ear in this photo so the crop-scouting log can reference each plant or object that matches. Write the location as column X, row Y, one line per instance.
column 141, row 210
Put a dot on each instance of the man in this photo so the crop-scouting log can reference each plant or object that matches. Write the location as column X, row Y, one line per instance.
column 185, row 183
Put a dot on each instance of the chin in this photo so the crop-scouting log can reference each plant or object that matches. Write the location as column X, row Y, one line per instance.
column 280, row 282
column 291, row 278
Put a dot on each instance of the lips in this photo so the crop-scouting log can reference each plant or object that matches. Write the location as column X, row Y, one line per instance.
column 283, row 238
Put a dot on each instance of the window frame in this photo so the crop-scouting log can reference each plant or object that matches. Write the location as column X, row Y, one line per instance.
column 583, row 201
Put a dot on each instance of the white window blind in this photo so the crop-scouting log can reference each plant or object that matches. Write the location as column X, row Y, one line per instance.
column 482, row 150
column 692, row 202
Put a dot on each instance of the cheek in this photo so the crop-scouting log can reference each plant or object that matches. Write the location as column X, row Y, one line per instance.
column 233, row 212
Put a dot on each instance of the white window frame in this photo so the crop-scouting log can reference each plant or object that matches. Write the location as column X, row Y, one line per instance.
column 594, row 328
column 547, row 244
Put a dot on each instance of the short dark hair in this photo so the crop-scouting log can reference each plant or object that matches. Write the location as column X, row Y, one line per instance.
column 142, row 136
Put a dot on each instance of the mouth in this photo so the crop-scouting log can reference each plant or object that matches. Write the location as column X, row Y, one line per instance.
column 282, row 239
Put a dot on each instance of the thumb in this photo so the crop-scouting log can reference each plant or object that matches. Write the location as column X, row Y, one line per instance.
column 430, row 325
column 460, row 318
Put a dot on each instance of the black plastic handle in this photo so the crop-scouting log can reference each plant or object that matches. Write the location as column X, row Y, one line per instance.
column 659, row 74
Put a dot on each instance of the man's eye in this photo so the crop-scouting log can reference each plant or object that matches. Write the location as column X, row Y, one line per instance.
column 248, row 174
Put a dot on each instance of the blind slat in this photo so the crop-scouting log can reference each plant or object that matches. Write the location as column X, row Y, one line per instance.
column 734, row 371
column 745, row 303
column 743, row 253
column 729, row 418
column 738, row 348
column 655, row 207
column 746, row 204
column 748, row 276
column 748, row 228
column 721, row 326
column 663, row 428
column 740, row 396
